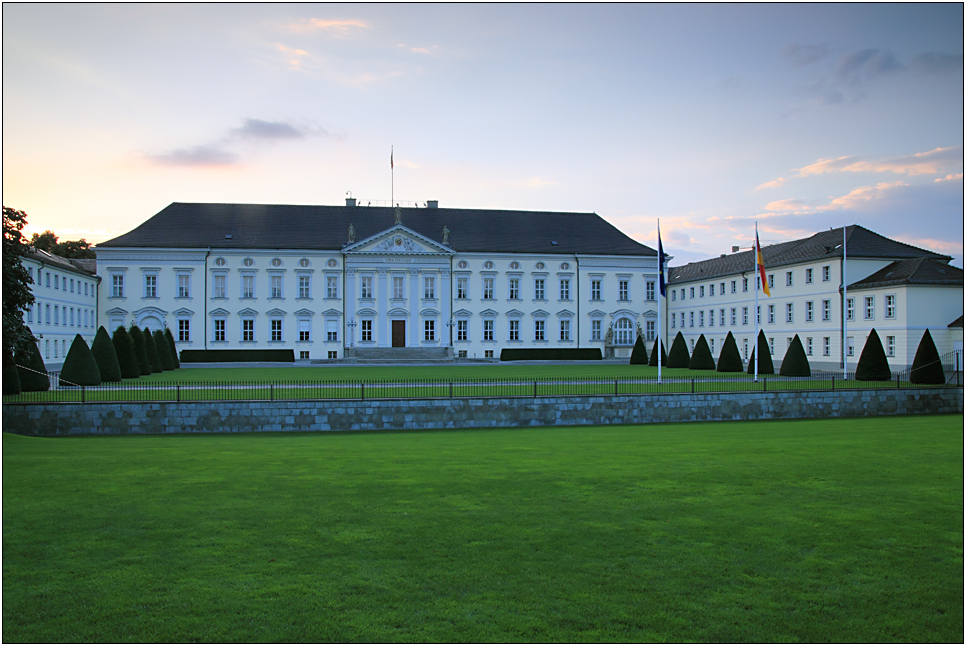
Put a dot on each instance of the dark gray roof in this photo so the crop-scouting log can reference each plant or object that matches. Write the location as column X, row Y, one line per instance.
column 77, row 265
column 957, row 323
column 824, row 245
column 277, row 226
column 914, row 271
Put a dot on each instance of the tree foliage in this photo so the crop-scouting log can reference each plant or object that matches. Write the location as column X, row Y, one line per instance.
column 639, row 353
column 653, row 356
column 126, row 355
column 701, row 358
column 48, row 242
column 678, row 357
column 927, row 367
column 730, row 359
column 795, row 363
column 873, row 364
column 173, row 347
column 140, row 350
column 17, row 295
column 765, row 367
column 106, row 357
column 164, row 350
column 33, row 372
column 11, row 374
column 152, row 349
column 80, row 368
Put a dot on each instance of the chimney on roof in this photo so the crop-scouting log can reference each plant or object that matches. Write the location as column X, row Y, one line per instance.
column 734, row 249
column 432, row 204
column 350, row 201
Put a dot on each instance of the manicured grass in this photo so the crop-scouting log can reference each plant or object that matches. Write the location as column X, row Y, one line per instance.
column 804, row 531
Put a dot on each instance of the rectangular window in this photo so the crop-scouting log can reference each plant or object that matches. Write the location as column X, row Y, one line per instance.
column 367, row 330
column 826, row 346
column 721, row 318
column 808, row 277
column 771, row 313
column 649, row 330
column 674, row 295
column 276, row 286
column 808, row 346
column 712, row 346
column 565, row 330
column 851, row 346
column 150, row 286
column 184, row 330
column 276, row 329
column 850, row 309
column 649, row 290
column 869, row 308
column 788, row 279
column 744, row 347
column 462, row 330
column 595, row 290
column 538, row 289
column 826, row 310
column 788, row 343
column 332, row 354
column 565, row 289
column 538, row 330
column 701, row 318
column 184, row 286
column 789, row 312
column 722, row 289
column 248, row 329
column 71, row 285
column 890, row 346
column 734, row 287
column 595, row 329
column 56, row 281
column 488, row 354
column 701, row 291
column 305, row 330
column 758, row 315
column 744, row 316
column 331, row 330
column 56, row 314
column 304, row 285
column 809, row 311
column 218, row 289
column 304, row 354
column 890, row 306
column 514, row 330
column 366, row 287
column 429, row 330
column 248, row 287
column 397, row 287
column 771, row 281
column 771, row 345
column 734, row 317
column 488, row 329
column 826, row 274
column 48, row 278
column 487, row 288
column 744, row 284
column 462, row 354
column 514, row 289
column 711, row 290
column 691, row 316
column 623, row 290
column 462, row 289
column 429, row 287
column 332, row 287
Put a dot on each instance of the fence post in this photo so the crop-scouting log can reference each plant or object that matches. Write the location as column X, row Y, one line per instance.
column 451, row 390
column 764, row 384
column 83, row 394
column 178, row 387
column 616, row 392
column 362, row 385
column 534, row 389
column 271, row 392
column 833, row 381
column 692, row 385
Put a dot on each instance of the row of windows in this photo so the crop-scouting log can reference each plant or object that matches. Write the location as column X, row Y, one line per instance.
column 220, row 286
column 63, row 283
column 789, row 282
column 869, row 313
column 48, row 314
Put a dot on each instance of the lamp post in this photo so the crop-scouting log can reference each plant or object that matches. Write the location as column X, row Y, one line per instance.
column 450, row 325
column 352, row 333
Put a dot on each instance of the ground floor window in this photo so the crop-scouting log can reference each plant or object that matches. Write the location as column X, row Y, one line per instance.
column 890, row 346
column 184, row 330
column 623, row 332
column 539, row 329
column 331, row 330
column 649, row 330
column 219, row 330
column 808, row 346
column 248, row 329
column 851, row 346
column 276, row 329
column 303, row 354
column 488, row 330
column 429, row 330
column 565, row 330
column 826, row 346
column 462, row 330
column 514, row 330
column 488, row 354
column 305, row 330
column 366, row 330
column 333, row 354
column 462, row 354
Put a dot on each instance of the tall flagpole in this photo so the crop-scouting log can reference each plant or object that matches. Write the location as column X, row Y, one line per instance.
column 845, row 312
column 757, row 318
column 660, row 292
column 392, row 180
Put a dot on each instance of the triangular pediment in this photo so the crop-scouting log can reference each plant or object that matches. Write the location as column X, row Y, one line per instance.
column 464, row 313
column 398, row 240
column 650, row 314
column 219, row 312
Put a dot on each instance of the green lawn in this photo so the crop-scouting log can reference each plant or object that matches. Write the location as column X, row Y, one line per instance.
column 801, row 531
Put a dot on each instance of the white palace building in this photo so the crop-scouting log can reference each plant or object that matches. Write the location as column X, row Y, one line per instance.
column 331, row 282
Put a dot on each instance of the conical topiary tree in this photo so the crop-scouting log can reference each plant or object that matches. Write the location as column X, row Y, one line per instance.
column 79, row 369
column 126, row 357
column 140, row 350
column 765, row 367
column 873, row 364
column 678, row 357
column 730, row 359
column 652, row 361
column 164, row 351
column 701, row 358
column 153, row 357
column 795, row 363
column 103, row 350
column 33, row 372
column 639, row 353
column 927, row 367
column 173, row 348
column 11, row 374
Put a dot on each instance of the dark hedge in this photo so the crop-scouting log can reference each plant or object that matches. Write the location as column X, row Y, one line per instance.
column 653, row 356
column 140, row 350
column 232, row 356
column 79, row 369
column 126, row 357
column 926, row 367
column 701, row 359
column 172, row 347
column 35, row 379
column 639, row 353
column 11, row 374
column 873, row 364
column 795, row 363
column 164, row 350
column 550, row 354
column 730, row 359
column 766, row 367
column 153, row 357
column 678, row 357
column 103, row 350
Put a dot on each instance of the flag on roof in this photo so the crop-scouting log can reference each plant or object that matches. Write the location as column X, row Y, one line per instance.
column 760, row 262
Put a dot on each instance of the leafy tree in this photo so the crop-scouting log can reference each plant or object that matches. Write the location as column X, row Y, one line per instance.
column 730, row 359
column 164, row 350
column 639, row 353
column 126, row 355
column 47, row 241
column 140, row 350
column 765, row 367
column 17, row 295
column 153, row 357
column 33, row 372
column 106, row 357
column 927, row 368
column 653, row 360
column 80, row 368
column 678, row 357
column 701, row 358
column 873, row 364
column 795, row 363
column 11, row 374
column 173, row 347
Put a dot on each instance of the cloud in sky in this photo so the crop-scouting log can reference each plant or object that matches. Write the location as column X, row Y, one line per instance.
column 219, row 153
column 786, row 205
column 261, row 129
column 337, row 27
column 204, row 156
column 858, row 67
column 938, row 63
column 927, row 163
column 799, row 55
column 775, row 183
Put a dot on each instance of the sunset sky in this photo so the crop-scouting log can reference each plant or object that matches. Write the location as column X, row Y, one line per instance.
column 709, row 117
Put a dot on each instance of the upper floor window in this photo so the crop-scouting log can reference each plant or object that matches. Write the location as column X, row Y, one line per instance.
column 826, row 273
column 771, row 281
column 538, row 289
column 332, row 287
column 808, row 276
column 514, row 288
column 304, row 285
column 649, row 290
column 744, row 284
column 850, row 309
column 701, row 291
column 117, row 285
column 184, row 286
column 276, row 286
column 788, row 279
column 771, row 313
column 890, row 306
column 623, row 289
column 248, row 287
column 869, row 308
column 565, row 289
column 151, row 286
column 462, row 288
column 429, row 287
column 734, row 287
column 595, row 289
column 487, row 288
column 397, row 287
column 365, row 287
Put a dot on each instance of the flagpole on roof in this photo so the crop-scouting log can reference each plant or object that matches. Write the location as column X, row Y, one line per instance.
column 845, row 312
column 392, row 180
column 754, row 256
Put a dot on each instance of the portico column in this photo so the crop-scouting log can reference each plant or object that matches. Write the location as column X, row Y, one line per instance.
column 349, row 305
column 414, row 308
column 444, row 302
column 382, row 314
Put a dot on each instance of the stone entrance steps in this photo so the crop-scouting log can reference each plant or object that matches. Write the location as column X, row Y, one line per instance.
column 401, row 355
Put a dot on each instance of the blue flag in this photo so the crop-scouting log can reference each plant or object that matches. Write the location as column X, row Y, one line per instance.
column 661, row 259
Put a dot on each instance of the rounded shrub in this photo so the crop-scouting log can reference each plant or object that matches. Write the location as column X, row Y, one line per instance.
column 678, row 357
column 765, row 367
column 701, row 358
column 172, row 347
column 126, row 356
column 140, row 350
column 11, row 374
column 103, row 350
column 80, row 368
column 653, row 356
column 164, row 350
column 730, row 359
column 795, row 363
column 873, row 364
column 153, row 357
column 639, row 353
column 33, row 372
column 927, row 368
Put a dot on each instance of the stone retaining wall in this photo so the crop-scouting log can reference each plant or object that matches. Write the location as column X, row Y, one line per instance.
column 254, row 416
